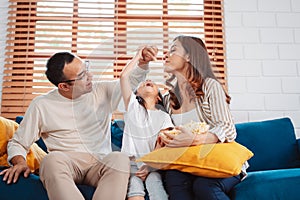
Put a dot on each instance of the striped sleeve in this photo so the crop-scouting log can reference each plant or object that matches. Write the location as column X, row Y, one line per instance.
column 166, row 102
column 221, row 120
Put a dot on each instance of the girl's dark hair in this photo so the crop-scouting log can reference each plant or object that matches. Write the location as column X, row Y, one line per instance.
column 159, row 105
column 55, row 66
column 200, row 70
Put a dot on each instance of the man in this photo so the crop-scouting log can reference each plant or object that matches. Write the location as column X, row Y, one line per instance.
column 74, row 122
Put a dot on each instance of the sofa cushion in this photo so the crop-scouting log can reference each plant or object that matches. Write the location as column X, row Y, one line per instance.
column 270, row 184
column 7, row 129
column 32, row 188
column 87, row 191
column 210, row 160
column 273, row 143
column 26, row 188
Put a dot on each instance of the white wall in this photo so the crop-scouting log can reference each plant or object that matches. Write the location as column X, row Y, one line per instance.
column 3, row 22
column 263, row 59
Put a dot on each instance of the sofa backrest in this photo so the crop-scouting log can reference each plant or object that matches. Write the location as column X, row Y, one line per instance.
column 273, row 143
column 117, row 128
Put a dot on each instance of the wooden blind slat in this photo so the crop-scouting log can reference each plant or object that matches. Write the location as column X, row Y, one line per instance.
column 105, row 32
column 20, row 84
column 125, row 18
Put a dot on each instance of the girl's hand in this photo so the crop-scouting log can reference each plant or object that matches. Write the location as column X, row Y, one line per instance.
column 148, row 54
column 139, row 53
column 159, row 142
column 143, row 172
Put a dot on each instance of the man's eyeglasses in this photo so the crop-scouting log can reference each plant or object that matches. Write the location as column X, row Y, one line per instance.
column 82, row 74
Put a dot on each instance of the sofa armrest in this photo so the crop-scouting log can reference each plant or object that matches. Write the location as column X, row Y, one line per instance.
column 297, row 162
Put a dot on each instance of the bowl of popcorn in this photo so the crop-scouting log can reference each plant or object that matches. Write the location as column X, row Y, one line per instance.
column 192, row 126
column 196, row 127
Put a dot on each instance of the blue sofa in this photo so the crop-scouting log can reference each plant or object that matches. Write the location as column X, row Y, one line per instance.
column 273, row 171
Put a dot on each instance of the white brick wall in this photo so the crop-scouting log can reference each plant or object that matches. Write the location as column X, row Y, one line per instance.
column 263, row 59
column 3, row 24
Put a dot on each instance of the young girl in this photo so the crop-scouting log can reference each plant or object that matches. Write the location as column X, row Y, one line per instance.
column 143, row 121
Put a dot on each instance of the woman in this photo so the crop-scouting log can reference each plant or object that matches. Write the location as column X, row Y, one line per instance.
column 196, row 95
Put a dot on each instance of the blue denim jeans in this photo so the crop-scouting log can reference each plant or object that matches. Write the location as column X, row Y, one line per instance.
column 180, row 185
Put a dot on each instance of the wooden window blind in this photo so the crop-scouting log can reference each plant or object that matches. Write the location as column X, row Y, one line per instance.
column 106, row 32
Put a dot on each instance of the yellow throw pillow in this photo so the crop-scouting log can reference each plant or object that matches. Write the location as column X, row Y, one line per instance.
column 7, row 129
column 219, row 160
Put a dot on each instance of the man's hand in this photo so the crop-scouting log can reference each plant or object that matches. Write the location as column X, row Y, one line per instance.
column 11, row 175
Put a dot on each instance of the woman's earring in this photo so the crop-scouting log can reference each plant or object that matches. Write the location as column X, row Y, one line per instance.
column 187, row 58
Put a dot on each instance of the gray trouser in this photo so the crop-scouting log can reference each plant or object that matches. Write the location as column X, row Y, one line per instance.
column 153, row 185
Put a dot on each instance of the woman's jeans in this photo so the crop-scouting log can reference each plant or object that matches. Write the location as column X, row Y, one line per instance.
column 181, row 185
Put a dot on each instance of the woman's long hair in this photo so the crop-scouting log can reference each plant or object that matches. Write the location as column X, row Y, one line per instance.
column 200, row 70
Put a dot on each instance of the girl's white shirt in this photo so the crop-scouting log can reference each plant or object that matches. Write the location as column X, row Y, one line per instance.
column 142, row 127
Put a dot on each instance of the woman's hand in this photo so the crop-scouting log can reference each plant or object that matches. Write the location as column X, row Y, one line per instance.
column 184, row 139
column 143, row 172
